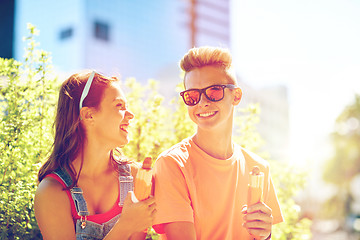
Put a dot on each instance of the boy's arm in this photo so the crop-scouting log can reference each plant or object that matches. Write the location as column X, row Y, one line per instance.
column 173, row 203
column 180, row 231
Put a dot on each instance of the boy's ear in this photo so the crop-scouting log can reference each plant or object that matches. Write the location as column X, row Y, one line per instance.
column 238, row 95
column 86, row 114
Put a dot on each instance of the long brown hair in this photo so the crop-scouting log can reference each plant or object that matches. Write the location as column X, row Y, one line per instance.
column 69, row 133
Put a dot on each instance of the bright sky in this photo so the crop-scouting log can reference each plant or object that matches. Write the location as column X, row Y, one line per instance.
column 312, row 46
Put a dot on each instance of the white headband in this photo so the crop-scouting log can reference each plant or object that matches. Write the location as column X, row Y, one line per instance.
column 86, row 89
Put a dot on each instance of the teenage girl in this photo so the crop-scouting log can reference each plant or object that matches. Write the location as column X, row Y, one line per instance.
column 84, row 184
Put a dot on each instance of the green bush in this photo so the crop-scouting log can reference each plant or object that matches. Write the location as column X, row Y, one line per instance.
column 344, row 164
column 26, row 110
column 27, row 101
column 288, row 182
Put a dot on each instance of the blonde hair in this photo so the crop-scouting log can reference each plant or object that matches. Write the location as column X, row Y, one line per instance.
column 208, row 56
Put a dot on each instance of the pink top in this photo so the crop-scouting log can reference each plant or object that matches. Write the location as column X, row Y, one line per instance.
column 97, row 218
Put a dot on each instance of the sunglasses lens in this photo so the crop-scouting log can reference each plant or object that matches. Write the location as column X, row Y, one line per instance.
column 215, row 93
column 191, row 97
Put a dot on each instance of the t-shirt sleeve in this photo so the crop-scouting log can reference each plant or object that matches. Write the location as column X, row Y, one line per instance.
column 271, row 200
column 173, row 203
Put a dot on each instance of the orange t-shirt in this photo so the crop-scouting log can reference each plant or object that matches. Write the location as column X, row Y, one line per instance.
column 194, row 187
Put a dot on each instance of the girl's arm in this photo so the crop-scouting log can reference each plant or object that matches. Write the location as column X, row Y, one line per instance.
column 53, row 214
column 135, row 217
column 53, row 211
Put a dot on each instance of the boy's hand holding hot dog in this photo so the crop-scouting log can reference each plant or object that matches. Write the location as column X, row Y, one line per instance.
column 258, row 216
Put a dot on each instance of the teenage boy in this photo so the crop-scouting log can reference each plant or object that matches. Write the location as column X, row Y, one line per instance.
column 201, row 183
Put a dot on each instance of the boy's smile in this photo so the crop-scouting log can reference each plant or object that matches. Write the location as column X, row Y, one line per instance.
column 209, row 114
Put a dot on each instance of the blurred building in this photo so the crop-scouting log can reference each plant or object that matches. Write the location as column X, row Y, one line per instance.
column 7, row 10
column 142, row 40
column 131, row 38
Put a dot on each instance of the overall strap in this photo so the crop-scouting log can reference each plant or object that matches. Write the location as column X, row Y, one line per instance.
column 64, row 175
column 80, row 205
column 126, row 182
column 76, row 194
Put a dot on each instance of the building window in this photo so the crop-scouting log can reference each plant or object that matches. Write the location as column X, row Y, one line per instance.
column 101, row 31
column 66, row 33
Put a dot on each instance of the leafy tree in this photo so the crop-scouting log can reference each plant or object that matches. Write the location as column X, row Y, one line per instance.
column 151, row 132
column 345, row 163
column 26, row 108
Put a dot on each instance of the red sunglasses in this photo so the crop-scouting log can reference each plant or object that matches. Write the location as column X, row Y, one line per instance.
column 214, row 93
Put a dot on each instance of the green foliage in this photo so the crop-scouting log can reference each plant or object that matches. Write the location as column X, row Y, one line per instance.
column 26, row 108
column 288, row 182
column 246, row 133
column 157, row 125
column 345, row 162
column 27, row 105
column 150, row 130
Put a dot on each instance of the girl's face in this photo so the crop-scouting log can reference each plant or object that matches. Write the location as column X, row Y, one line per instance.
column 111, row 120
column 206, row 114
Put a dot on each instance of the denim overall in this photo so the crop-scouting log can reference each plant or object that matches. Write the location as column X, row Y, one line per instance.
column 84, row 228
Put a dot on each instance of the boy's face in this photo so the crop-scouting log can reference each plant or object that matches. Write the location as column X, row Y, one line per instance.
column 208, row 114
